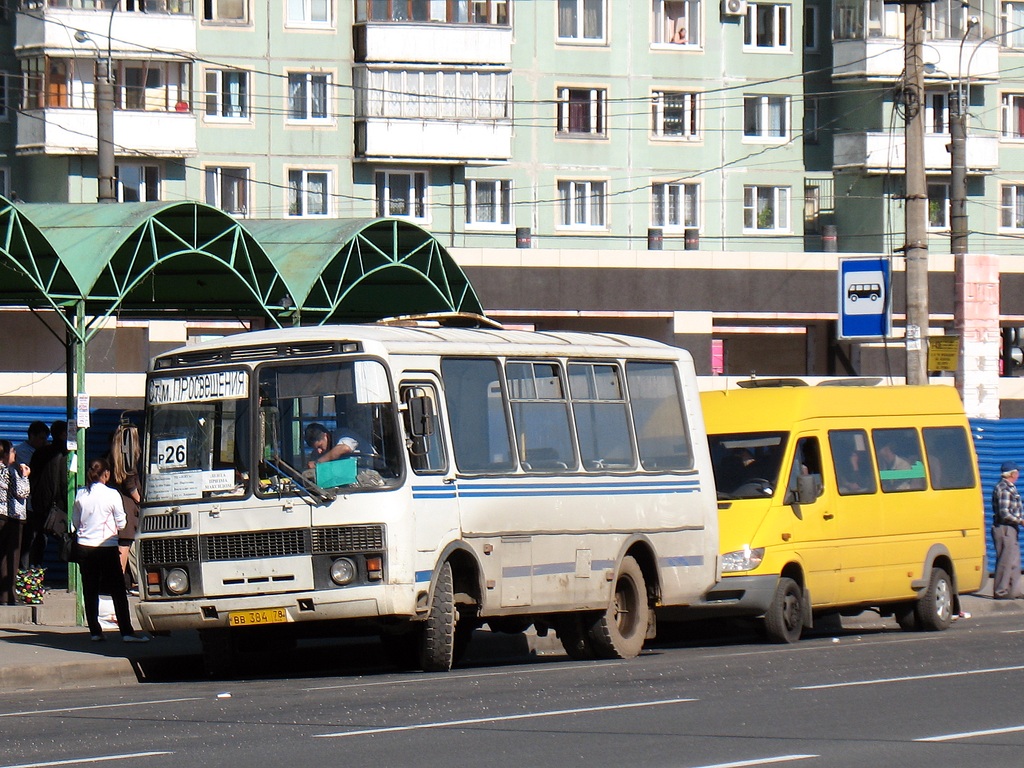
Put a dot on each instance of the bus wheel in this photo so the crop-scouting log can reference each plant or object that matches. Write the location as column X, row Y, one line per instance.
column 573, row 632
column 784, row 620
column 934, row 608
column 906, row 616
column 438, row 650
column 620, row 632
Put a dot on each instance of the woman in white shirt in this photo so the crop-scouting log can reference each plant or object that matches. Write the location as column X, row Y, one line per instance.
column 98, row 515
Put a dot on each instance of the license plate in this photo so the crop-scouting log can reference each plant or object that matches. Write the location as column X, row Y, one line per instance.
column 256, row 618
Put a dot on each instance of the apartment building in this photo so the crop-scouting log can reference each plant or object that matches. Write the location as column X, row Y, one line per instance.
column 676, row 168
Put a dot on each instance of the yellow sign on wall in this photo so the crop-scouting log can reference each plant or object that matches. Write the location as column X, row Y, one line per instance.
column 943, row 352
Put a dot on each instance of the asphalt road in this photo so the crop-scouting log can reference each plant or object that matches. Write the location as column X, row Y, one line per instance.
column 858, row 698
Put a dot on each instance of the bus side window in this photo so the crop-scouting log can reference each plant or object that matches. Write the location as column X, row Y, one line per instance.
column 806, row 463
column 949, row 457
column 423, row 429
column 479, row 427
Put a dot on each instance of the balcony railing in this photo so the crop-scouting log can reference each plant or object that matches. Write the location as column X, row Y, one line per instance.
column 176, row 7
column 883, row 152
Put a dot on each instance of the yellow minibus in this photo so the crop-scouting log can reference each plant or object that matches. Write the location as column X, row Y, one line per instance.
column 837, row 499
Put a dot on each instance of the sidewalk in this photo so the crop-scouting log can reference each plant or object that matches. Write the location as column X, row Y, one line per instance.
column 42, row 649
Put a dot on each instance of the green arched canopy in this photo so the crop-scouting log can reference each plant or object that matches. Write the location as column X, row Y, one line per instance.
column 147, row 259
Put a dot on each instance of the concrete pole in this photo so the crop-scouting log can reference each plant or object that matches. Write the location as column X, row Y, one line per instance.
column 106, row 192
column 916, row 248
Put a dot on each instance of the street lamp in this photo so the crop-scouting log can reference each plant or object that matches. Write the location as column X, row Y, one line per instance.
column 104, row 115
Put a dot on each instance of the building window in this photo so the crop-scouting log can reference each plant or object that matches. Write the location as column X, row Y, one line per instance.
column 309, row 193
column 1012, row 116
column 581, row 204
column 677, row 22
column 766, row 117
column 402, row 194
column 582, row 110
column 581, row 19
column 315, row 12
column 810, row 28
column 137, row 183
column 227, row 94
column 675, row 206
column 461, row 12
column 938, row 206
column 936, row 112
column 948, row 19
column 431, row 94
column 225, row 10
column 5, row 92
column 765, row 209
column 811, row 119
column 1013, row 25
column 228, row 189
column 674, row 115
column 489, row 201
column 766, row 26
column 307, row 96
column 1012, row 208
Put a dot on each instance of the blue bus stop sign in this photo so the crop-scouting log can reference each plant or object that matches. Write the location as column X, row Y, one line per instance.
column 865, row 304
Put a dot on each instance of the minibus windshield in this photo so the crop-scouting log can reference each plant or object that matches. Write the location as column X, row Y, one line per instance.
column 747, row 465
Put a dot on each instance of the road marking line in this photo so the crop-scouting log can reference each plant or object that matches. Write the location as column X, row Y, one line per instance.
column 909, row 678
column 972, row 734
column 760, row 761
column 81, row 760
column 498, row 719
column 30, row 712
column 518, row 672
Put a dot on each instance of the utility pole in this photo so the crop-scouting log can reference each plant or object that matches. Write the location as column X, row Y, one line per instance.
column 915, row 250
column 105, row 132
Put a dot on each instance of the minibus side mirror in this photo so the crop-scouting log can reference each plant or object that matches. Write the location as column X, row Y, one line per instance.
column 807, row 488
column 421, row 413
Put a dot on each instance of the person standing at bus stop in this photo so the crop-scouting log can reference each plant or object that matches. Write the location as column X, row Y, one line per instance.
column 1007, row 511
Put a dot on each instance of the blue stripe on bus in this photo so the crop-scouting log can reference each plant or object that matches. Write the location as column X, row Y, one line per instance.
column 681, row 561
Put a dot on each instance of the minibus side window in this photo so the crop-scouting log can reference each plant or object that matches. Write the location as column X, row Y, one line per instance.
column 602, row 421
column 655, row 399
column 807, row 464
column 540, row 415
column 476, row 412
column 852, row 461
column 949, row 457
column 898, row 456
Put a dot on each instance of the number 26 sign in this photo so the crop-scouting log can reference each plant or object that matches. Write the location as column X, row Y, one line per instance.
column 172, row 453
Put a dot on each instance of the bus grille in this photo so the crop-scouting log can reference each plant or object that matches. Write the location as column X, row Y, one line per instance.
column 180, row 549
column 253, row 545
column 348, row 538
column 175, row 521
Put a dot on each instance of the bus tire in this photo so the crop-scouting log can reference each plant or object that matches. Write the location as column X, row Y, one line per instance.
column 906, row 616
column 784, row 619
column 437, row 653
column 934, row 608
column 621, row 630
column 573, row 632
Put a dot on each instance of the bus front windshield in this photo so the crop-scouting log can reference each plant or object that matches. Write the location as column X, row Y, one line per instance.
column 747, row 465
column 196, row 435
column 327, row 426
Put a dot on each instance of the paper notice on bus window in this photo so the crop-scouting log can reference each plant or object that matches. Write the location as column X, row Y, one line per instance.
column 371, row 383
column 219, row 480
column 174, row 485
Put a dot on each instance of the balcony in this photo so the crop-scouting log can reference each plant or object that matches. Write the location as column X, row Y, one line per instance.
column 52, row 29
column 73, row 132
column 881, row 152
column 433, row 43
column 433, row 141
column 883, row 58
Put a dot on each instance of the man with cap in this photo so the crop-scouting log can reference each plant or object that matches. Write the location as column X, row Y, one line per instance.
column 1006, row 520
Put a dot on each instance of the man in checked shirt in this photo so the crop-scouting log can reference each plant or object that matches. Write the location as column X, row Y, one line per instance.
column 1006, row 520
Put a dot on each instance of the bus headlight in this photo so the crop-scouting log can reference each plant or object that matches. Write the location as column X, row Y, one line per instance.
column 176, row 581
column 343, row 571
column 746, row 559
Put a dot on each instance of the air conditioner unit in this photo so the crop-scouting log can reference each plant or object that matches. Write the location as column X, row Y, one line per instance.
column 734, row 7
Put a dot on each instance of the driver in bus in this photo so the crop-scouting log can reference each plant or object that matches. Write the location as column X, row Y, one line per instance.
column 324, row 448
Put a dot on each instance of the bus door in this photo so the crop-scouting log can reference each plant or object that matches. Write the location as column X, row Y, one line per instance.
column 435, row 518
column 808, row 523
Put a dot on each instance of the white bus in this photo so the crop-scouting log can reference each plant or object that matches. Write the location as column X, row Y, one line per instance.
column 470, row 476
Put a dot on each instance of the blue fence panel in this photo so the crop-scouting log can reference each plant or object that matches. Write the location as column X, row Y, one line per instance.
column 996, row 441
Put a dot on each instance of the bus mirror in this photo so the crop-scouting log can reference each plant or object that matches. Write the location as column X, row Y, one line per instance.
column 421, row 413
column 807, row 488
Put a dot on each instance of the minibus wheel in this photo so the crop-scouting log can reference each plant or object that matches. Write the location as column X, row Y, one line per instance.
column 622, row 628
column 935, row 606
column 438, row 650
column 784, row 619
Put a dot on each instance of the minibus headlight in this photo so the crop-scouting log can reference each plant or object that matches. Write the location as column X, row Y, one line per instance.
column 343, row 571
column 745, row 559
column 176, row 581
